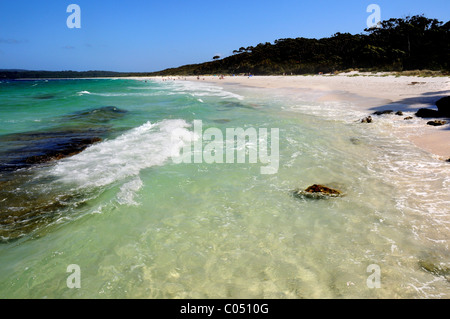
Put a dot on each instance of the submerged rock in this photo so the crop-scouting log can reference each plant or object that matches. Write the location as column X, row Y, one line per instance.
column 317, row 192
column 399, row 113
column 44, row 97
column 27, row 149
column 222, row 121
column 94, row 116
column 24, row 210
column 30, row 200
column 355, row 141
column 443, row 106
column 74, row 134
column 435, row 269
column 408, row 118
column 437, row 123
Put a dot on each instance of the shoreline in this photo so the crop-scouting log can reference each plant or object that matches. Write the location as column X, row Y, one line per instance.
column 367, row 93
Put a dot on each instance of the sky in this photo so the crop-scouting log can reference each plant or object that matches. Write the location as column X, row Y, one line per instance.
column 148, row 35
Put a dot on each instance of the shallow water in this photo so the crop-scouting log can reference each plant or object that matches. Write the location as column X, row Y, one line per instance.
column 140, row 225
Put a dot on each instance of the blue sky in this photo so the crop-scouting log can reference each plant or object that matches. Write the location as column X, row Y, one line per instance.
column 147, row 35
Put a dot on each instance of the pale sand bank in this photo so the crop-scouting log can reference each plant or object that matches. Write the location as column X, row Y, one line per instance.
column 367, row 92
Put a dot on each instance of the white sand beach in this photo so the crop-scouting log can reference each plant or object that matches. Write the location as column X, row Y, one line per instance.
column 369, row 92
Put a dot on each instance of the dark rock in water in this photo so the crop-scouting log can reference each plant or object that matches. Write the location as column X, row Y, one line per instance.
column 44, row 97
column 434, row 268
column 399, row 113
column 27, row 149
column 383, row 112
column 29, row 199
column 76, row 132
column 437, row 123
column 448, row 161
column 317, row 192
column 95, row 116
column 427, row 113
column 443, row 106
column 322, row 189
column 28, row 204
column 71, row 147
column 222, row 121
column 228, row 104
column 408, row 118
column 355, row 141
column 367, row 119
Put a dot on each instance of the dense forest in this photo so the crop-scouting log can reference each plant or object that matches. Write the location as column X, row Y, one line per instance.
column 412, row 43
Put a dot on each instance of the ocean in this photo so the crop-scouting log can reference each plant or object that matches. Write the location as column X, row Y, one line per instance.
column 116, row 177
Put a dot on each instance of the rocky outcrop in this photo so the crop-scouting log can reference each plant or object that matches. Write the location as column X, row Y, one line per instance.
column 437, row 123
column 383, row 112
column 443, row 106
column 75, row 133
column 27, row 149
column 26, row 209
column 427, row 113
column 367, row 119
column 317, row 191
column 443, row 109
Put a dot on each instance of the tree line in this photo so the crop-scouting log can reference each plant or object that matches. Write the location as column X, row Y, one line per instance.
column 412, row 43
column 26, row 74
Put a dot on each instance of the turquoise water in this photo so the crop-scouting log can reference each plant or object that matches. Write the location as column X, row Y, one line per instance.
column 140, row 225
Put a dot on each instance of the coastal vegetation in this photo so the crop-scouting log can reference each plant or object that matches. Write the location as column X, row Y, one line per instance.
column 412, row 43
column 28, row 74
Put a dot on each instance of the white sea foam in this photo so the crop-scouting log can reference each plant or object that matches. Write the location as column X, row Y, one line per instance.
column 201, row 89
column 122, row 158
column 173, row 88
column 127, row 194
